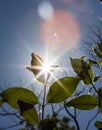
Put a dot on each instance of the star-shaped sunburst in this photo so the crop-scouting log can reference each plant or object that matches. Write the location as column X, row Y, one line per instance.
column 41, row 70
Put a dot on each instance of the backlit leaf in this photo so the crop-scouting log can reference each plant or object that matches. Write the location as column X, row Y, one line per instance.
column 98, row 124
column 83, row 70
column 88, row 78
column 30, row 116
column 37, row 67
column 77, row 65
column 100, row 62
column 84, row 102
column 62, row 89
column 36, row 64
column 12, row 95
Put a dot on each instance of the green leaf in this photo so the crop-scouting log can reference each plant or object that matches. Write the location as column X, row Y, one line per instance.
column 92, row 62
column 100, row 99
column 84, row 102
column 12, row 95
column 100, row 46
column 77, row 65
column 97, row 53
column 100, row 62
column 83, row 70
column 88, row 76
column 1, row 102
column 24, row 106
column 98, row 124
column 96, row 78
column 62, row 89
column 30, row 115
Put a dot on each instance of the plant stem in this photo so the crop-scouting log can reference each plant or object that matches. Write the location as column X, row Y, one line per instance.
column 94, row 87
column 43, row 104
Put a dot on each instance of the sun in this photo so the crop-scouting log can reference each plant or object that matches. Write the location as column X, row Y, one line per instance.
column 46, row 67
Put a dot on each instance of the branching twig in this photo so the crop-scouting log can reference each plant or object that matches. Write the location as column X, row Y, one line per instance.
column 73, row 117
column 91, row 120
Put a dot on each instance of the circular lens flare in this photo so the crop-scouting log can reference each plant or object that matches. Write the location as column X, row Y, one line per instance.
column 60, row 31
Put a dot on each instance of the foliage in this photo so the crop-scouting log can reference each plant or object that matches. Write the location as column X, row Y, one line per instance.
column 60, row 91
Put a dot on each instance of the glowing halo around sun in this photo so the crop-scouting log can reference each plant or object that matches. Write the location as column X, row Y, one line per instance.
column 61, row 31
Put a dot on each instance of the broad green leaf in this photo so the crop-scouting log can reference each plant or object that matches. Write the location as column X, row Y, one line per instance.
column 97, row 53
column 30, row 116
column 62, row 89
column 77, row 65
column 100, row 62
column 83, row 70
column 100, row 99
column 1, row 102
column 98, row 124
column 84, row 102
column 12, row 95
column 88, row 76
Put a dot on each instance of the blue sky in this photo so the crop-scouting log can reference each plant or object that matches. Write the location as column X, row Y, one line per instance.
column 20, row 32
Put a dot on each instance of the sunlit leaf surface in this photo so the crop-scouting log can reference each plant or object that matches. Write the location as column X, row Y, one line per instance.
column 61, row 89
column 84, row 102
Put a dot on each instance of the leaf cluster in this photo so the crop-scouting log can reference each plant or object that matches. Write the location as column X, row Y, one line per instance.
column 60, row 91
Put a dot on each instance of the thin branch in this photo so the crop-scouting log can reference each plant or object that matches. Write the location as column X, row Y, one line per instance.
column 9, row 126
column 73, row 117
column 92, row 120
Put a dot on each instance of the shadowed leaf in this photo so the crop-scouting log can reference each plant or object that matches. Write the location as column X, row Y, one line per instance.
column 62, row 89
column 84, row 102
column 37, row 66
column 31, row 116
column 96, row 78
column 83, row 70
column 12, row 95
column 24, row 106
column 98, row 124
column 28, row 112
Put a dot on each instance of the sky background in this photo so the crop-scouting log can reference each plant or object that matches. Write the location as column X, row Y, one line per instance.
column 23, row 30
column 20, row 25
